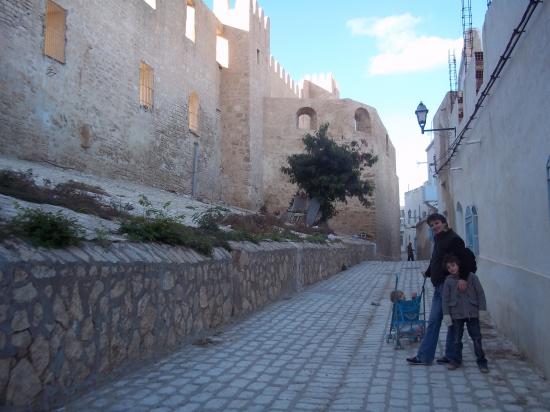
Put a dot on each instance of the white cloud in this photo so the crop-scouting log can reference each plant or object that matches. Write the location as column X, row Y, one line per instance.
column 401, row 49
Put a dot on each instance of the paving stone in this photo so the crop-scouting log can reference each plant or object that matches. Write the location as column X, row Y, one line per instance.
column 216, row 403
column 323, row 350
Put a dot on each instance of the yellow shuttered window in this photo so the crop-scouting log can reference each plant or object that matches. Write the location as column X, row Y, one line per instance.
column 194, row 112
column 54, row 31
column 146, row 83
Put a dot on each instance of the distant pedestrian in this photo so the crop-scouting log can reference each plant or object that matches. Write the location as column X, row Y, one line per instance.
column 446, row 242
column 461, row 308
column 410, row 252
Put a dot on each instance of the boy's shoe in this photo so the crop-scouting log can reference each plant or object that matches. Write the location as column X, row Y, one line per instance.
column 415, row 361
column 444, row 360
column 483, row 369
column 452, row 366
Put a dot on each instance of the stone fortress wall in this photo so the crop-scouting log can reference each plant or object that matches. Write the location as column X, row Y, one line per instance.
column 85, row 113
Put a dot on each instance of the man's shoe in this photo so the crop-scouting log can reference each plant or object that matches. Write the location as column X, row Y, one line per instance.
column 483, row 369
column 452, row 366
column 415, row 361
column 442, row 361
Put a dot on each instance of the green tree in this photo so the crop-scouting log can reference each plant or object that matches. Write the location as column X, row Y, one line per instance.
column 330, row 172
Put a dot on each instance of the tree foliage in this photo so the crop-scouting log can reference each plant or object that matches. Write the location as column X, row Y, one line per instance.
column 330, row 172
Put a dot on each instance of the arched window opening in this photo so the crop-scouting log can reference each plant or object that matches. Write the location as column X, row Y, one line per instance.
column 190, row 21
column 306, row 119
column 194, row 112
column 362, row 121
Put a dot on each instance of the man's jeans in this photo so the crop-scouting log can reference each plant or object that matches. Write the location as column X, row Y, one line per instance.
column 426, row 351
column 474, row 331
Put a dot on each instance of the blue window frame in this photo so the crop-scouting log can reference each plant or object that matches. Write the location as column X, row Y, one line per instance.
column 470, row 225
column 548, row 181
column 475, row 231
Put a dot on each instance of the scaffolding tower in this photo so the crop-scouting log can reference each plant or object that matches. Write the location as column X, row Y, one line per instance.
column 467, row 32
column 453, row 82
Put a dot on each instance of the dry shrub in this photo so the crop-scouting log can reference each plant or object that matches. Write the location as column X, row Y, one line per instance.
column 71, row 195
column 257, row 224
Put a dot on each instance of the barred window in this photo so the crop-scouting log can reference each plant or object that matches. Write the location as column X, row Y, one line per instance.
column 194, row 112
column 54, row 31
column 146, row 83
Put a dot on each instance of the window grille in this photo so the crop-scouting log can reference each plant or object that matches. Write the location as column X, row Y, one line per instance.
column 479, row 57
column 194, row 112
column 54, row 31
column 146, row 83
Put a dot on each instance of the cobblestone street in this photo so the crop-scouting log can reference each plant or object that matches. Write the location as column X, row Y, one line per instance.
column 324, row 350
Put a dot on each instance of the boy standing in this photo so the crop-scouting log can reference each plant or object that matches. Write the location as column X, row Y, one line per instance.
column 463, row 308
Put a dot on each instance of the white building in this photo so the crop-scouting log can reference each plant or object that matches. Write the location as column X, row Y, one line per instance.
column 494, row 178
column 419, row 203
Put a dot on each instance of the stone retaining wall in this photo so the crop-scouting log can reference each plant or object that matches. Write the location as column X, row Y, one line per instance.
column 69, row 317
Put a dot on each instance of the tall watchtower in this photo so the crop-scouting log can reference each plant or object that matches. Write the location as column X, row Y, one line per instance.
column 244, row 84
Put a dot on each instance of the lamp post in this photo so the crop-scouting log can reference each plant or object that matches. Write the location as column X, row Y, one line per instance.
column 421, row 114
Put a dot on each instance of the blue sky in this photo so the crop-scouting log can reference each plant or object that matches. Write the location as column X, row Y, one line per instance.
column 387, row 54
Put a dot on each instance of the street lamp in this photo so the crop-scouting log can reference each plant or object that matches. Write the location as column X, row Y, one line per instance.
column 421, row 114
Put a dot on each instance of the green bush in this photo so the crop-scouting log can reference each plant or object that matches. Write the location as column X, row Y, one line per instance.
column 50, row 230
column 156, row 226
column 167, row 230
column 316, row 238
column 331, row 172
column 210, row 219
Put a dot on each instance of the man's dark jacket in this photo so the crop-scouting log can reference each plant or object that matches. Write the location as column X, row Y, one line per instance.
column 446, row 243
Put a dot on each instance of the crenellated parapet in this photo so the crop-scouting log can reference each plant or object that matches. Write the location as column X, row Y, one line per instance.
column 245, row 13
column 281, row 82
column 324, row 81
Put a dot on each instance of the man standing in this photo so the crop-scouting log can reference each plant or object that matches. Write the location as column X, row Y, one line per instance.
column 446, row 242
column 410, row 252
